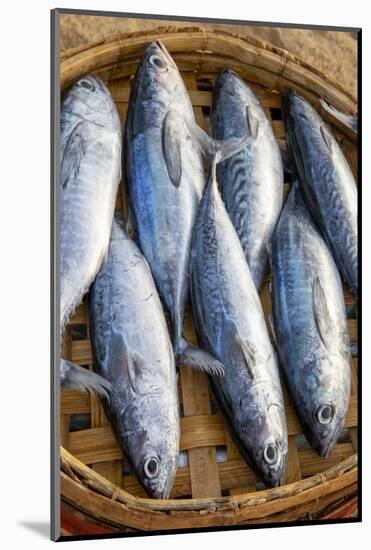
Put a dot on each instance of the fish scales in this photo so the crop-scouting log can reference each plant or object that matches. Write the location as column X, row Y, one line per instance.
column 251, row 182
column 90, row 173
column 166, row 178
column 230, row 324
column 328, row 185
column 126, row 321
column 310, row 325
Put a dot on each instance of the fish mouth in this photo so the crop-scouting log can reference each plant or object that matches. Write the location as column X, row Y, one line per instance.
column 160, row 488
column 155, row 492
column 289, row 93
column 168, row 486
column 324, row 448
column 227, row 72
column 287, row 97
column 277, row 478
column 274, row 481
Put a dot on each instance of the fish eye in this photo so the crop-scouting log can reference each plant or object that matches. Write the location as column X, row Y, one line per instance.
column 270, row 453
column 325, row 414
column 151, row 467
column 158, row 62
column 87, row 84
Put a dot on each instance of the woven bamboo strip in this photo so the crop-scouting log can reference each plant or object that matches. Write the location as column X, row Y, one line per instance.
column 99, row 444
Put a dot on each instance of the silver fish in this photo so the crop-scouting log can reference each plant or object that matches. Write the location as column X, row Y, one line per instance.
column 90, row 158
column 328, row 185
column 251, row 182
column 166, row 177
column 133, row 351
column 310, row 325
column 230, row 325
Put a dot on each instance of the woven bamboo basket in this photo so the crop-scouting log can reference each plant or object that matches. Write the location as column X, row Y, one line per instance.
column 95, row 481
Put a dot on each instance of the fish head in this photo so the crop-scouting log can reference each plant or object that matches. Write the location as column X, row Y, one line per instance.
column 157, row 89
column 90, row 99
column 271, row 448
column 228, row 82
column 149, row 434
column 303, row 130
column 158, row 76
column 324, row 401
column 231, row 84
column 236, row 109
column 298, row 112
column 264, row 435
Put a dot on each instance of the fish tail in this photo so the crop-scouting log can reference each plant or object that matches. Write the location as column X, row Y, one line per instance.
column 189, row 355
column 74, row 377
column 219, row 150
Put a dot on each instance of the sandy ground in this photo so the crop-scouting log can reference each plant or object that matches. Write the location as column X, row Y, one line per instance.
column 333, row 52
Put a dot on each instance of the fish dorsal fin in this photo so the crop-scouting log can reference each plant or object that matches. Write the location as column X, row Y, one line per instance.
column 73, row 154
column 131, row 224
column 171, row 135
column 321, row 314
column 327, row 138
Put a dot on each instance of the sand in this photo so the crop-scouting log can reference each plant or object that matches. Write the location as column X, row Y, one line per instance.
column 333, row 52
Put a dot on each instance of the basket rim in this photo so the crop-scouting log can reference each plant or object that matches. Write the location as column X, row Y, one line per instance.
column 282, row 52
column 90, row 55
column 92, row 490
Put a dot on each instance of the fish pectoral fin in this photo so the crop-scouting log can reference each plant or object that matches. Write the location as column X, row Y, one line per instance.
column 287, row 160
column 322, row 315
column 196, row 358
column 131, row 224
column 250, row 357
column 74, row 377
column 126, row 363
column 327, row 138
column 237, row 345
column 253, row 124
column 171, row 146
column 73, row 154
column 271, row 326
column 137, row 367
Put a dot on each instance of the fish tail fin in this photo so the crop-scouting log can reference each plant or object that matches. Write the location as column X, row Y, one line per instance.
column 74, row 377
column 219, row 150
column 196, row 358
